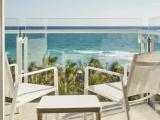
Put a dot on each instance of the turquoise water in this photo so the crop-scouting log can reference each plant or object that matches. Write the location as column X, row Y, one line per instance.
column 79, row 47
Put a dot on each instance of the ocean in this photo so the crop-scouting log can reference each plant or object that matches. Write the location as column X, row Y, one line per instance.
column 107, row 48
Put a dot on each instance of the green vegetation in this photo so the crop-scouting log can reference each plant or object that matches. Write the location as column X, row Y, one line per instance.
column 49, row 61
column 71, row 76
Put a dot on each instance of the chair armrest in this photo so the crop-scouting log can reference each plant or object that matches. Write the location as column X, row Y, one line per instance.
column 38, row 71
column 44, row 70
column 86, row 82
column 13, row 65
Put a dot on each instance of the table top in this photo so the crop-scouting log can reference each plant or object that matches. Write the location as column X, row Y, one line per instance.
column 69, row 103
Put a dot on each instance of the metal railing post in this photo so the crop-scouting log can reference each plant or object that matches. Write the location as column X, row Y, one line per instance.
column 20, row 43
column 25, row 43
column 86, row 73
column 19, row 55
column 141, row 42
column 86, row 80
column 56, row 80
column 150, row 45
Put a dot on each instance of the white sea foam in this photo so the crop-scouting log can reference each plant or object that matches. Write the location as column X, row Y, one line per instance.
column 124, row 55
column 120, row 55
column 88, row 51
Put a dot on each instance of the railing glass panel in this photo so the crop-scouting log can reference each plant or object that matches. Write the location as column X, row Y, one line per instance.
column 71, row 44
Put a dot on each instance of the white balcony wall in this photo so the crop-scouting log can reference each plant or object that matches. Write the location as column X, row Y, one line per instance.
column 1, row 59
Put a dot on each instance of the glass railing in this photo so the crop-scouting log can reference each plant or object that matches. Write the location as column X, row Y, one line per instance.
column 72, row 44
column 83, row 47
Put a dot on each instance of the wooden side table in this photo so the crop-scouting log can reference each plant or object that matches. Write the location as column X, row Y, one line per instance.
column 69, row 103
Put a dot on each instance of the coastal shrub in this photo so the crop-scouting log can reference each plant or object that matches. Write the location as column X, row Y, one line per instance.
column 116, row 67
column 93, row 62
column 71, row 77
column 45, row 78
column 98, row 77
column 32, row 67
column 49, row 61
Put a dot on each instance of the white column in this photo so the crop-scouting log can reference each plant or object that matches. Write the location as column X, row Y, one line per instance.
column 2, row 44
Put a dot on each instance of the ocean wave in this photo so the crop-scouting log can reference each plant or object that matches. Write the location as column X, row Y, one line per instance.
column 88, row 51
column 120, row 54
column 115, row 54
column 108, row 55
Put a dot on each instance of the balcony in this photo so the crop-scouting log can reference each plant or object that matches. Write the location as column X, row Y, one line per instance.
column 71, row 49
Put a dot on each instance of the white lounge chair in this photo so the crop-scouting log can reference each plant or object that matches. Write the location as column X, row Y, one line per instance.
column 143, row 78
column 25, row 92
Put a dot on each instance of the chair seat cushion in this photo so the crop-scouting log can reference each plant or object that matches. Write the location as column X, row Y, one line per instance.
column 28, row 92
column 111, row 91
column 137, row 112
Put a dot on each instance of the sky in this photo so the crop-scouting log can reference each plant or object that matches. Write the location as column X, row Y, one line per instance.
column 82, row 9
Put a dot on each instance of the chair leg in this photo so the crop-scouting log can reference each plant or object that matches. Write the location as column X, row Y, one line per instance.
column 98, row 116
column 39, row 116
column 125, row 103
column 18, row 110
column 127, row 114
column 126, row 110
column 151, row 102
column 57, row 116
column 13, row 105
column 93, row 116
column 13, row 108
column 85, row 116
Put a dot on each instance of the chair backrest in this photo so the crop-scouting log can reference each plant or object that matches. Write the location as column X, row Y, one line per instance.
column 144, row 76
column 9, row 84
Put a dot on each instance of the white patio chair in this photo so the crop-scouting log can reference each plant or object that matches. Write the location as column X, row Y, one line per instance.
column 22, row 93
column 144, row 77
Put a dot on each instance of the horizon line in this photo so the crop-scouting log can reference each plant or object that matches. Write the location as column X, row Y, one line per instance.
column 78, row 27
